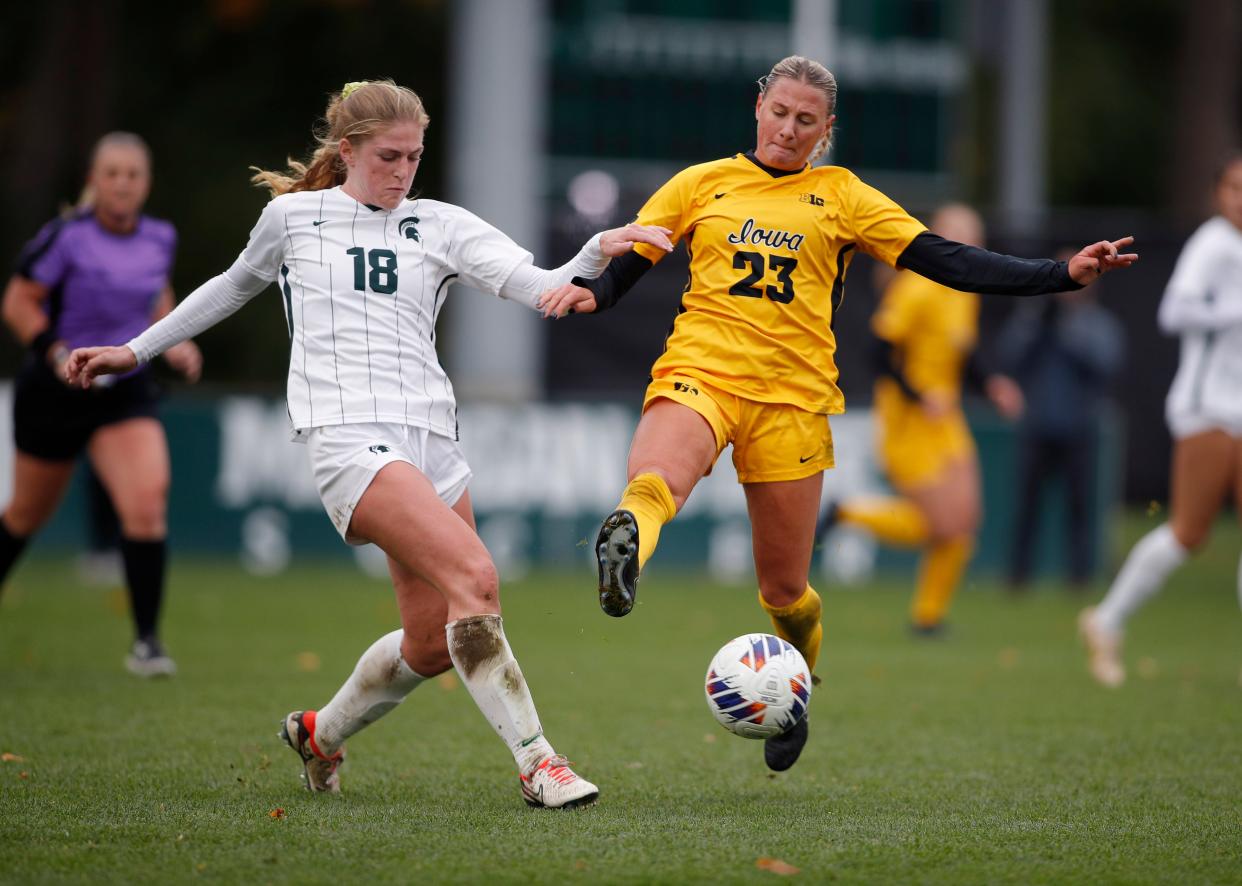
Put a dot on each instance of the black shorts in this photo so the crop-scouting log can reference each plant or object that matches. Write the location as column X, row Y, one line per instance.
column 53, row 421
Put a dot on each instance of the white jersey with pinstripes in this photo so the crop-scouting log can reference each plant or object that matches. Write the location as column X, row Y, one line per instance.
column 362, row 288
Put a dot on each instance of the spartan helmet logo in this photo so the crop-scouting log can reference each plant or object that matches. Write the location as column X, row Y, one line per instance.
column 408, row 228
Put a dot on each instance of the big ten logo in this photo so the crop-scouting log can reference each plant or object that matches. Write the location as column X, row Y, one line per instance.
column 685, row 388
column 812, row 199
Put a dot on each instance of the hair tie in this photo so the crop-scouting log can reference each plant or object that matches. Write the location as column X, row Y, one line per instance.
column 350, row 88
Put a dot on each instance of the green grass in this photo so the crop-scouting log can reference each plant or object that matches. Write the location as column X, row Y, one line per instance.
column 986, row 757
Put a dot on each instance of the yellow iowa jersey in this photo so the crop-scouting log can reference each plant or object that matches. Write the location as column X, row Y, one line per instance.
column 768, row 256
column 933, row 328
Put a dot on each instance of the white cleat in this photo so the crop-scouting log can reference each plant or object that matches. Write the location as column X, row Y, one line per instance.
column 1103, row 650
column 320, row 773
column 553, row 785
column 147, row 658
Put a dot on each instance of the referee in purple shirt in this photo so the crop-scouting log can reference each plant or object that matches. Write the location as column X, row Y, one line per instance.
column 98, row 275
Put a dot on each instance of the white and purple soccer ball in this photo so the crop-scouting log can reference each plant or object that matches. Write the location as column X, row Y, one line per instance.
column 758, row 686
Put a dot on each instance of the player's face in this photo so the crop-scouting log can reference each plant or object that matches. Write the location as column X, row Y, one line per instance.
column 121, row 179
column 793, row 116
column 382, row 167
column 1229, row 194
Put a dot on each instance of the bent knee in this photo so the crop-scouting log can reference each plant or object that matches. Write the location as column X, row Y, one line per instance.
column 427, row 657
column 477, row 582
column 1191, row 538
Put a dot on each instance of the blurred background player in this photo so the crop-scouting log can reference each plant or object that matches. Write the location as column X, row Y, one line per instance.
column 1063, row 352
column 925, row 344
column 1203, row 305
column 99, row 274
column 749, row 361
column 362, row 269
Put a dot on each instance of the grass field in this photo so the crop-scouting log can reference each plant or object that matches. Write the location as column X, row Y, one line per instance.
column 987, row 756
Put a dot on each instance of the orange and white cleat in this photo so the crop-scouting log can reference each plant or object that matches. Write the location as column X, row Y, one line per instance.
column 553, row 785
column 320, row 772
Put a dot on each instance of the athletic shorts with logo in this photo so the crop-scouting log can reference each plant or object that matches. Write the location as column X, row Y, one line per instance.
column 771, row 441
column 346, row 458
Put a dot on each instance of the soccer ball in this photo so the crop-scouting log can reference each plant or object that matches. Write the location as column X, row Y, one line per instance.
column 758, row 686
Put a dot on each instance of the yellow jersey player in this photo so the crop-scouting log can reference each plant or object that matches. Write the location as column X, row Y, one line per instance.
column 749, row 361
column 925, row 340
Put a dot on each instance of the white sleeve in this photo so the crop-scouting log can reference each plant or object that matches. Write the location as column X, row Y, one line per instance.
column 528, row 282
column 482, row 255
column 1195, row 299
column 266, row 248
column 201, row 309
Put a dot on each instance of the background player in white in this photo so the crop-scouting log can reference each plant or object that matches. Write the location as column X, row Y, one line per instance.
column 1202, row 304
column 362, row 270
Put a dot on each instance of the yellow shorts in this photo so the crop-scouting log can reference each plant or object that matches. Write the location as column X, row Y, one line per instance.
column 771, row 441
column 915, row 449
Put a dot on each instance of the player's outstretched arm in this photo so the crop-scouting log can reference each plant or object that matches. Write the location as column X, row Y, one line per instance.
column 972, row 269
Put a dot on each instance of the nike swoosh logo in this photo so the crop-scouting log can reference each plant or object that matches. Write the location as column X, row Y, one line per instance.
column 803, row 461
column 317, row 222
column 718, row 196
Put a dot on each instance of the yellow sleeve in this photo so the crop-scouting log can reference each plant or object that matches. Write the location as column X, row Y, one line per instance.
column 896, row 319
column 668, row 208
column 881, row 228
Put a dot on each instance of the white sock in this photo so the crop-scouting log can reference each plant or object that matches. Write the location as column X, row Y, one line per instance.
column 1156, row 555
column 380, row 680
column 486, row 665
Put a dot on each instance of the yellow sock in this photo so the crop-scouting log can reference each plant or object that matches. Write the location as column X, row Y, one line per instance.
column 895, row 521
column 799, row 624
column 648, row 498
column 939, row 576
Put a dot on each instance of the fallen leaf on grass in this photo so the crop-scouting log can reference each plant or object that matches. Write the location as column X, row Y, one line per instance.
column 308, row 661
column 12, row 758
column 580, row 865
column 709, row 738
column 776, row 866
column 447, row 681
column 23, row 775
column 278, row 812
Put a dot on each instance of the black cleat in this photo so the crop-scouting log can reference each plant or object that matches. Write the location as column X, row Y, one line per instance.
column 782, row 751
column 617, row 551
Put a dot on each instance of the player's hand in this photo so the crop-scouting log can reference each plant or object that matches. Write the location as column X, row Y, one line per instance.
column 1005, row 395
column 619, row 241
column 86, row 364
column 1093, row 261
column 187, row 359
column 567, row 299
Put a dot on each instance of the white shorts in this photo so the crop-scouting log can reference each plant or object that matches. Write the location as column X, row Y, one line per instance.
column 346, row 458
column 1187, row 424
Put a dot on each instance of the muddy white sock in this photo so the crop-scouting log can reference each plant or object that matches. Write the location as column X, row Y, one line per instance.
column 380, row 680
column 487, row 667
column 1150, row 561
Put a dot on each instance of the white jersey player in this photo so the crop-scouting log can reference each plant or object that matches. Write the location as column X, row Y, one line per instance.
column 1203, row 305
column 363, row 271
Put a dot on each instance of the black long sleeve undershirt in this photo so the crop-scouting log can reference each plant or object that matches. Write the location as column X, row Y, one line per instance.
column 968, row 268
column 620, row 275
column 972, row 269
